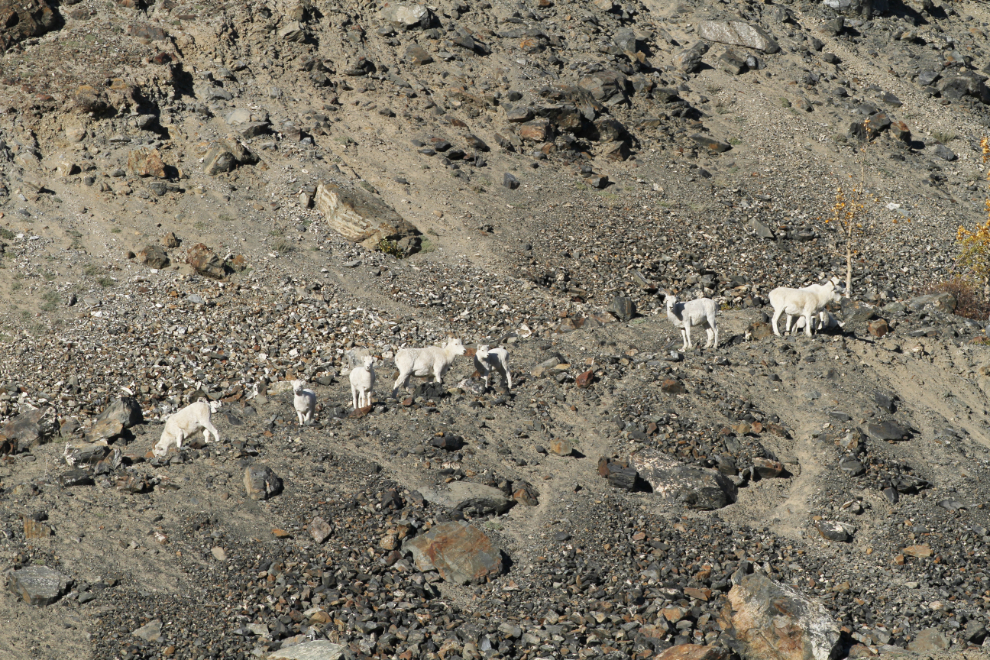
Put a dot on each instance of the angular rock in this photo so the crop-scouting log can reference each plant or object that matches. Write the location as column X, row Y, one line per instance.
column 261, row 482
column 929, row 640
column 766, row 468
column 620, row 474
column 689, row 59
column 474, row 499
column 154, row 256
column 694, row 652
column 360, row 216
column 316, row 650
column 418, row 55
column 622, row 308
column 104, row 429
column 149, row 632
column 696, row 487
column 76, row 477
column 711, row 144
column 218, row 159
column 672, row 386
column 85, row 454
column 832, row 531
column 561, row 447
column 125, row 410
column 459, row 551
column 943, row 302
column 38, row 585
column 407, row 16
column 205, row 261
column 29, row 429
column 771, row 621
column 293, row 31
column 878, row 328
column 22, row 19
column 616, row 152
column 733, row 61
column 851, row 466
column 738, row 33
column 537, row 130
column 943, row 152
column 888, row 430
column 920, row 551
column 146, row 162
column 320, row 529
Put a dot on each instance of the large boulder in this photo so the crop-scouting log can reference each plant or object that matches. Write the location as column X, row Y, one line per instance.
column 737, row 33
column 459, row 551
column 154, row 256
column 21, row 19
column 361, row 217
column 474, row 499
column 38, row 585
column 771, row 621
column 125, row 410
column 35, row 427
column 146, row 162
column 698, row 488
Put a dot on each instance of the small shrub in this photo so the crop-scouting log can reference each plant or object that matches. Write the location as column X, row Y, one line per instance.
column 284, row 247
column 943, row 137
column 91, row 270
column 51, row 299
column 390, row 247
column 106, row 282
column 6, row 234
column 970, row 301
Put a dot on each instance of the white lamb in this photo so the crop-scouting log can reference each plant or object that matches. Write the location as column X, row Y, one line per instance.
column 425, row 361
column 304, row 401
column 690, row 314
column 181, row 425
column 498, row 358
column 363, row 383
column 825, row 321
column 806, row 302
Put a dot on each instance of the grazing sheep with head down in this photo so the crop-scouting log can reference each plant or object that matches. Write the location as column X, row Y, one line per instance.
column 486, row 359
column 806, row 303
column 363, row 383
column 425, row 361
column 181, row 425
column 693, row 313
column 304, row 401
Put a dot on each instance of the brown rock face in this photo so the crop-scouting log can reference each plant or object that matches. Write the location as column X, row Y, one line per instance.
column 20, row 19
column 205, row 261
column 771, row 621
column 146, row 162
column 459, row 551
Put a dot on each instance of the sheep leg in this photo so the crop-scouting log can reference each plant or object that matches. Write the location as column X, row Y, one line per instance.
column 212, row 429
column 508, row 378
column 807, row 322
column 354, row 397
column 402, row 381
column 710, row 334
column 773, row 322
column 714, row 335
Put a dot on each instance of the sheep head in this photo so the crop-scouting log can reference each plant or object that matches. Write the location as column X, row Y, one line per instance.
column 215, row 406
column 454, row 347
column 670, row 300
column 368, row 361
column 298, row 386
column 482, row 351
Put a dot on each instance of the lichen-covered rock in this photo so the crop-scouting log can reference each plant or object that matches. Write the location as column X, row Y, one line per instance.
column 125, row 410
column 698, row 488
column 261, row 482
column 459, row 551
column 205, row 261
column 38, row 585
column 360, row 216
column 738, row 33
column 475, row 499
column 771, row 621
column 35, row 427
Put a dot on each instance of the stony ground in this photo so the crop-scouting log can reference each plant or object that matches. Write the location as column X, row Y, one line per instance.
column 554, row 155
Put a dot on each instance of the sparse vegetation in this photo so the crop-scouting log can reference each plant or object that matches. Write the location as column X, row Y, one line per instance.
column 284, row 247
column 6, row 234
column 971, row 302
column 390, row 247
column 106, row 282
column 52, row 299
column 943, row 137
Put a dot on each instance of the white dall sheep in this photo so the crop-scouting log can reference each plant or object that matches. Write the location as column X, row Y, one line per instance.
column 425, row 361
column 363, row 383
column 181, row 425
column 485, row 359
column 304, row 401
column 806, row 302
column 825, row 320
column 691, row 314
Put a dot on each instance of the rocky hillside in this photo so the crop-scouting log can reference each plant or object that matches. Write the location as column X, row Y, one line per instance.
column 213, row 199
